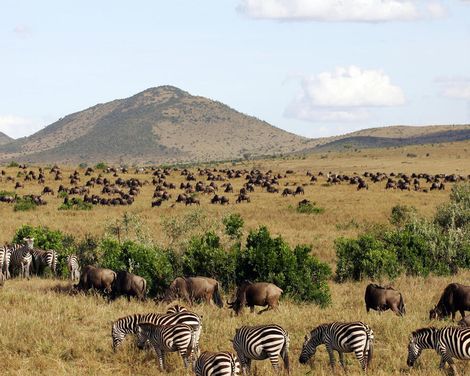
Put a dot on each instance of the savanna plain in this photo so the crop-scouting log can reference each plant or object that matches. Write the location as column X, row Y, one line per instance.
column 45, row 330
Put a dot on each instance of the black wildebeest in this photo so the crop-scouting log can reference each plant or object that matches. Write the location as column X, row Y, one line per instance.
column 191, row 289
column 256, row 294
column 129, row 284
column 100, row 279
column 456, row 297
column 381, row 298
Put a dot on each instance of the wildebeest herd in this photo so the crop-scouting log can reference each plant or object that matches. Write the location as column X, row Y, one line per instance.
column 107, row 187
column 180, row 330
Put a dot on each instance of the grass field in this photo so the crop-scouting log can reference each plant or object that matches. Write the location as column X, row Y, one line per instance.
column 47, row 331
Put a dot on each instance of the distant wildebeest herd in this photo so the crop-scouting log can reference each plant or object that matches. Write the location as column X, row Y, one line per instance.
column 117, row 191
column 179, row 329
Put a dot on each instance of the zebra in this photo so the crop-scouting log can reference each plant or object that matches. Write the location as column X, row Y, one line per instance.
column 4, row 262
column 259, row 343
column 217, row 364
column 342, row 337
column 42, row 259
column 73, row 266
column 21, row 258
column 128, row 325
column 167, row 338
column 448, row 342
column 176, row 308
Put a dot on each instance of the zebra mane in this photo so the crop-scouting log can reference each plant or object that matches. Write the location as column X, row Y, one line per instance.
column 429, row 329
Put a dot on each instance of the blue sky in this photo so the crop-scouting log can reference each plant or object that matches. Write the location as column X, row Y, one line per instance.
column 313, row 67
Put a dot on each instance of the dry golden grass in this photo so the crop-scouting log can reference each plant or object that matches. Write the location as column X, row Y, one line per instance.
column 46, row 331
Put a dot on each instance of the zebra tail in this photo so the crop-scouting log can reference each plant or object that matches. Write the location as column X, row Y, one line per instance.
column 401, row 306
column 191, row 347
column 216, row 296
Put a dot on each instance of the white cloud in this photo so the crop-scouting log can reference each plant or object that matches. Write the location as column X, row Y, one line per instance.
column 344, row 95
column 22, row 31
column 342, row 10
column 16, row 126
column 457, row 87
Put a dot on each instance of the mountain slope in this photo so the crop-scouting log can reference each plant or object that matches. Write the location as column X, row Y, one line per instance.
column 163, row 124
column 5, row 139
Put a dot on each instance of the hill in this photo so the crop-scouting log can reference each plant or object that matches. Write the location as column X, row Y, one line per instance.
column 4, row 139
column 168, row 125
column 163, row 124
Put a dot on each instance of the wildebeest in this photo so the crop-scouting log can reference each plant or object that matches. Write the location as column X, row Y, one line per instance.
column 456, row 297
column 129, row 284
column 381, row 298
column 100, row 279
column 194, row 288
column 256, row 294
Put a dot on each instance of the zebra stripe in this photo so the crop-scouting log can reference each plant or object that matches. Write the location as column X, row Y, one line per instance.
column 176, row 308
column 261, row 342
column 448, row 342
column 43, row 259
column 167, row 338
column 348, row 337
column 217, row 364
column 3, row 252
column 73, row 266
column 20, row 261
column 128, row 325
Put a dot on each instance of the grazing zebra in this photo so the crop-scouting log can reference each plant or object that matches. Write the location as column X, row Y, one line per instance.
column 217, row 364
column 73, row 266
column 449, row 342
column 347, row 337
column 259, row 343
column 42, row 259
column 128, row 325
column 167, row 338
column 21, row 259
column 4, row 262
column 176, row 308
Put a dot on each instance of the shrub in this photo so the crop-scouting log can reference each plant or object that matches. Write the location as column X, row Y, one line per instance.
column 24, row 204
column 270, row 259
column 13, row 164
column 309, row 207
column 233, row 225
column 76, row 204
column 149, row 262
column 206, row 257
column 45, row 238
column 101, row 166
column 402, row 214
column 364, row 257
column 456, row 213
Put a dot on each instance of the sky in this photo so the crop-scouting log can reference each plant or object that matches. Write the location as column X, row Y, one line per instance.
column 313, row 67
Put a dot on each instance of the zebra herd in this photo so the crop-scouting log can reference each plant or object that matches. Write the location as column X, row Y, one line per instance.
column 20, row 260
column 179, row 330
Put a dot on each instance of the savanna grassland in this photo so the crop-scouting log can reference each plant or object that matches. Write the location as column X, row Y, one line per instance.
column 49, row 331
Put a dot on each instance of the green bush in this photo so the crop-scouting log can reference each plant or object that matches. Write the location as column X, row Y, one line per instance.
column 101, row 166
column 270, row 259
column 206, row 257
column 233, row 225
column 456, row 213
column 309, row 208
column 13, row 164
column 24, row 204
column 76, row 204
column 151, row 263
column 45, row 238
column 364, row 257
column 402, row 214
